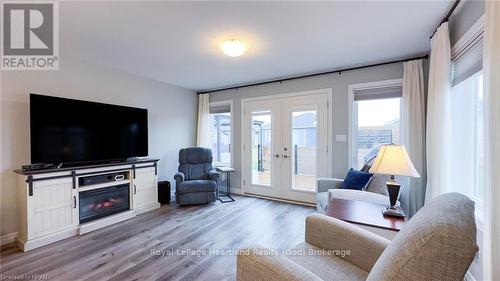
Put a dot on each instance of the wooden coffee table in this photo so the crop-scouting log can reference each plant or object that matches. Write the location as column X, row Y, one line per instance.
column 365, row 215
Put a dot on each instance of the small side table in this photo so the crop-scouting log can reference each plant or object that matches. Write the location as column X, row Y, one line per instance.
column 365, row 215
column 227, row 171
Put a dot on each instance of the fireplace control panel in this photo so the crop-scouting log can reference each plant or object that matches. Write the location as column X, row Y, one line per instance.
column 103, row 178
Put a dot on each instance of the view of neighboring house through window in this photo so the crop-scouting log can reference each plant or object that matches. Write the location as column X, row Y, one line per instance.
column 304, row 149
column 220, row 134
column 376, row 122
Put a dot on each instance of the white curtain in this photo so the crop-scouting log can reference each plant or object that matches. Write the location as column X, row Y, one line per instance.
column 491, row 74
column 438, row 126
column 203, row 132
column 414, row 130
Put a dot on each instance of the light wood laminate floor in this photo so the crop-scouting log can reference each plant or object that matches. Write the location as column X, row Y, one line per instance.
column 123, row 251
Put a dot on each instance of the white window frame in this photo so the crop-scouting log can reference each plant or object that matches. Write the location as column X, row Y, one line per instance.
column 353, row 112
column 474, row 34
column 230, row 103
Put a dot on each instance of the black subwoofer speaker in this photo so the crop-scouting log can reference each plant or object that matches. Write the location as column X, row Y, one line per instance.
column 164, row 192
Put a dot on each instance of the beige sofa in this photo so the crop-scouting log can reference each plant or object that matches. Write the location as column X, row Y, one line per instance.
column 438, row 243
column 330, row 188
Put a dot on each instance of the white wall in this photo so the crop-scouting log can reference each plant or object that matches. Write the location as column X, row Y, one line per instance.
column 171, row 116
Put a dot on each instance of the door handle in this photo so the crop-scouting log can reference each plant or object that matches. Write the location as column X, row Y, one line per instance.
column 74, row 202
column 277, row 155
column 135, row 189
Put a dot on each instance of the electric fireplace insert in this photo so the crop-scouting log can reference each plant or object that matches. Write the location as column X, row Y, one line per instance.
column 102, row 202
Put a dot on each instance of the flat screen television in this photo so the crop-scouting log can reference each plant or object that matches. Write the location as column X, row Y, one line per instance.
column 73, row 131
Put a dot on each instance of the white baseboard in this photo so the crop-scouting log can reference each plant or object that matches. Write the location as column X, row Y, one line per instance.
column 8, row 238
column 45, row 240
column 469, row 276
column 236, row 190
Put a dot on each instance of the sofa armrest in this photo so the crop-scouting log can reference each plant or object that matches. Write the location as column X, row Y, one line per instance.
column 328, row 183
column 213, row 175
column 179, row 177
column 253, row 265
column 332, row 234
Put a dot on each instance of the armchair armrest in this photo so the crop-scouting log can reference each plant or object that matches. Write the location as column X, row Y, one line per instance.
column 328, row 183
column 333, row 234
column 213, row 175
column 179, row 177
column 254, row 266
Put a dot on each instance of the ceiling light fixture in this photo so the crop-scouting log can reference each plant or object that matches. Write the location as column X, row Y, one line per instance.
column 233, row 47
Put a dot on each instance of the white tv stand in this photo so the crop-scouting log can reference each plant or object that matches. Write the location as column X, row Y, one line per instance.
column 49, row 200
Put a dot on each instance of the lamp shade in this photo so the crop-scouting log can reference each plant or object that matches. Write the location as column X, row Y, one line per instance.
column 393, row 159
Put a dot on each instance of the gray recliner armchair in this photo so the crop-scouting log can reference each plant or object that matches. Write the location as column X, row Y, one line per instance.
column 196, row 181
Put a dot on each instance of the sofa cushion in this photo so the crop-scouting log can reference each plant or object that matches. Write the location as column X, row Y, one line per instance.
column 438, row 243
column 195, row 155
column 197, row 186
column 322, row 200
column 327, row 267
column 359, row 195
column 356, row 179
column 195, row 163
column 378, row 184
column 196, row 198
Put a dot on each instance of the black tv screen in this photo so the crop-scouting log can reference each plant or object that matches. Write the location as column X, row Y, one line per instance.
column 73, row 131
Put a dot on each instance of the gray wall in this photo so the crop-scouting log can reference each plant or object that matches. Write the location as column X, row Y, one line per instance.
column 339, row 85
column 172, row 116
column 459, row 23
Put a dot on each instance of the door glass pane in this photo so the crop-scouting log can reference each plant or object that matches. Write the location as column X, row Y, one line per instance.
column 261, row 148
column 220, row 136
column 303, row 150
column 378, row 123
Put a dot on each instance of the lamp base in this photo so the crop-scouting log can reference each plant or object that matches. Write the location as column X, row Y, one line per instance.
column 393, row 212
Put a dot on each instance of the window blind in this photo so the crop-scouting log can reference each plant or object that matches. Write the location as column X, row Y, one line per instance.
column 395, row 91
column 467, row 53
column 469, row 62
column 220, row 108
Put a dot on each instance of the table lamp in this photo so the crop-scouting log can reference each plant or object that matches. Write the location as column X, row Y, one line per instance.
column 393, row 160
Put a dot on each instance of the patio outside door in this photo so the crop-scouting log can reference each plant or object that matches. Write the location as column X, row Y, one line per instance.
column 285, row 146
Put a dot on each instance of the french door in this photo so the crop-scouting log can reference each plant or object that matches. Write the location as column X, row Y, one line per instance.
column 285, row 146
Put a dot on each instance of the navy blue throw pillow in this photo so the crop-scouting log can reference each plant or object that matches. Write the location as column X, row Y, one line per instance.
column 356, row 179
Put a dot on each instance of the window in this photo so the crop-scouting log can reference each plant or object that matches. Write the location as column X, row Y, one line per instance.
column 467, row 128
column 220, row 133
column 467, row 123
column 376, row 120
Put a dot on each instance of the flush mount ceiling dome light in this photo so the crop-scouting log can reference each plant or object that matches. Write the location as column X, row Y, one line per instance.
column 233, row 47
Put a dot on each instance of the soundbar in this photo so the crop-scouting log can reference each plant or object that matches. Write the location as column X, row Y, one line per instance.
column 104, row 178
column 34, row 167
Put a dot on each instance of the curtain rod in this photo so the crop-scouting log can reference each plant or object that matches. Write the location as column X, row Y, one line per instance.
column 447, row 17
column 309, row 75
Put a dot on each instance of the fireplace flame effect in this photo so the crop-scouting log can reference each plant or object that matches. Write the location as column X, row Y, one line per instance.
column 104, row 204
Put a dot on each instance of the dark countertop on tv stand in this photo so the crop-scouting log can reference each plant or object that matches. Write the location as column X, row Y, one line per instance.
column 64, row 169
